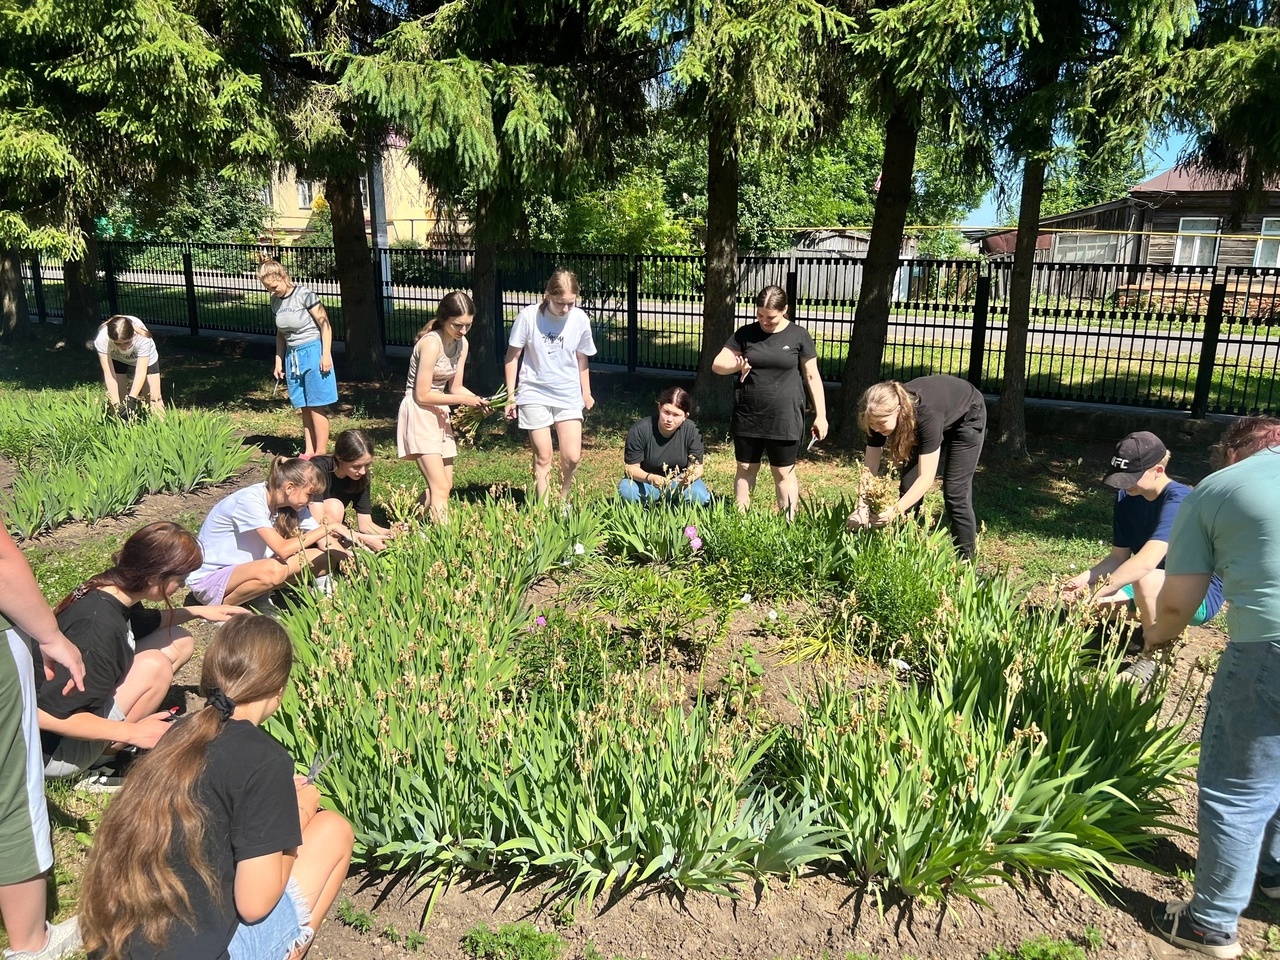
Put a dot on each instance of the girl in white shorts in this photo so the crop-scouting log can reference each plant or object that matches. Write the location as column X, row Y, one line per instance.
column 554, row 340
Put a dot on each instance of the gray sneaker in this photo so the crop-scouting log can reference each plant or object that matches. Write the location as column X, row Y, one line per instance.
column 1141, row 672
column 64, row 940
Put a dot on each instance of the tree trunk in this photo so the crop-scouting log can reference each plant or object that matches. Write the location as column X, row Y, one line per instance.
column 871, row 318
column 1011, row 428
column 484, row 363
column 82, row 297
column 15, row 321
column 715, row 393
column 365, row 357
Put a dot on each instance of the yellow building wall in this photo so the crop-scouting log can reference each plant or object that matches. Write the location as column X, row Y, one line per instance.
column 409, row 202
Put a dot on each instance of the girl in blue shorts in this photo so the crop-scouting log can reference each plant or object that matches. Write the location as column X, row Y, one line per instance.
column 304, row 353
column 214, row 848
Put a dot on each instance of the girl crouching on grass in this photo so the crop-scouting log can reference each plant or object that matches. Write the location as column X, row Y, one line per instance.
column 263, row 536
column 130, row 363
column 214, row 848
column 347, row 483
column 130, row 653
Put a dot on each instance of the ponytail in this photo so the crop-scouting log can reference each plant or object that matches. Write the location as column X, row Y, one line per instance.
column 129, row 886
column 300, row 473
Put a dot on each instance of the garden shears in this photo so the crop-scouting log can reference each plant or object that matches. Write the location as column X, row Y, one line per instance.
column 317, row 765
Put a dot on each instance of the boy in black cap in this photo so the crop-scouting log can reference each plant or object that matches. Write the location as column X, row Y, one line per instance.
column 1146, row 504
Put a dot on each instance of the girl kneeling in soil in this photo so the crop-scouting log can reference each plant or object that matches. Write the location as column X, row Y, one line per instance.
column 130, row 363
column 214, row 848
column 664, row 454
column 347, row 483
column 553, row 339
column 424, row 432
column 262, row 536
column 130, row 653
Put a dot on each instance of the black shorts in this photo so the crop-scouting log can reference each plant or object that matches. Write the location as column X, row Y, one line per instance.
column 781, row 453
column 126, row 370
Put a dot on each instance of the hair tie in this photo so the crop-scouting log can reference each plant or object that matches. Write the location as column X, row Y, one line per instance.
column 220, row 702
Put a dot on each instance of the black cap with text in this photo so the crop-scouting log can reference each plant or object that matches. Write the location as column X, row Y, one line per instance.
column 1135, row 455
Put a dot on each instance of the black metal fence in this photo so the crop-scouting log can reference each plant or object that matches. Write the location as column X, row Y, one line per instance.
column 1202, row 339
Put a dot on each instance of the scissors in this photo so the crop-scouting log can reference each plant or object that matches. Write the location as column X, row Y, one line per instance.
column 812, row 440
column 317, row 765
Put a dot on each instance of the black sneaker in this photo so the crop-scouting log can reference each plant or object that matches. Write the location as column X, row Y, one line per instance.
column 1269, row 886
column 1175, row 924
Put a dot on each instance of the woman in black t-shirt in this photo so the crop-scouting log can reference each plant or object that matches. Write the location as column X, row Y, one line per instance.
column 347, row 484
column 774, row 360
column 214, row 848
column 130, row 653
column 664, row 454
column 921, row 424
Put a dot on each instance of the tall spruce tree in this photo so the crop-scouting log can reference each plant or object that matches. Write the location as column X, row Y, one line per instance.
column 500, row 101
column 918, row 56
column 98, row 97
column 1078, row 79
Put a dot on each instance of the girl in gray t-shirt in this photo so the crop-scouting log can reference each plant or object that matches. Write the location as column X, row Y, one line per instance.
column 304, row 353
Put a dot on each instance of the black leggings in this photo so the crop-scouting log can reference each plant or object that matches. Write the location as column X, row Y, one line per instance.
column 961, row 448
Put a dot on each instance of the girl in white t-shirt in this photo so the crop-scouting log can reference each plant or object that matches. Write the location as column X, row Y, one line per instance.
column 130, row 362
column 554, row 340
column 261, row 537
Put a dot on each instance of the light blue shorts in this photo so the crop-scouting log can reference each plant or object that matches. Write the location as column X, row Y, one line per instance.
column 279, row 933
column 308, row 387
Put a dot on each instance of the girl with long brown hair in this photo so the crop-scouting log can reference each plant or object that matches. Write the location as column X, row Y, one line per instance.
column 130, row 652
column 549, row 380
column 263, row 536
column 347, row 483
column 922, row 425
column 424, row 433
column 214, row 848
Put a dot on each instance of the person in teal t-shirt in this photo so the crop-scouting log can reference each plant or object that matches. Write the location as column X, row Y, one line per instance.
column 1230, row 526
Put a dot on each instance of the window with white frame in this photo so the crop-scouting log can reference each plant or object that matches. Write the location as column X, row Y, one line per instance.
column 1197, row 242
column 306, row 194
column 364, row 193
column 1267, row 253
column 264, row 195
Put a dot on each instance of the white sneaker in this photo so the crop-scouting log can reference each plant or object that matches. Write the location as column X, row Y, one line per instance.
column 64, row 940
column 1141, row 672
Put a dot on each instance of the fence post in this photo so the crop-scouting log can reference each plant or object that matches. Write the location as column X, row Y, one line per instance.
column 37, row 284
column 109, row 268
column 1209, row 350
column 499, row 338
column 379, row 291
column 189, row 281
column 633, row 314
column 978, row 340
column 793, row 286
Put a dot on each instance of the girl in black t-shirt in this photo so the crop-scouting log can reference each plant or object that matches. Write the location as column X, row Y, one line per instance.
column 130, row 653
column 347, row 484
column 214, row 847
column 664, row 454
column 775, row 361
column 916, row 424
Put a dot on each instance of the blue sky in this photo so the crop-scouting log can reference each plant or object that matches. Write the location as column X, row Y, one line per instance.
column 1159, row 158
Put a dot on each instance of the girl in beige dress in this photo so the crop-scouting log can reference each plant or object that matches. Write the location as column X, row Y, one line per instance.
column 423, row 430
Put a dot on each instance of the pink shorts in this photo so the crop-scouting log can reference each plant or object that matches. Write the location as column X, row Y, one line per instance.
column 212, row 587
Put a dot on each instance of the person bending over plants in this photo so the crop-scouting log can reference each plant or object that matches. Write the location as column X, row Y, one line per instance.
column 664, row 454
column 130, row 364
column 304, row 353
column 774, row 360
column 924, row 425
column 214, row 848
column 263, row 536
column 548, row 354
column 130, row 652
column 1129, row 578
column 347, row 483
column 424, row 432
